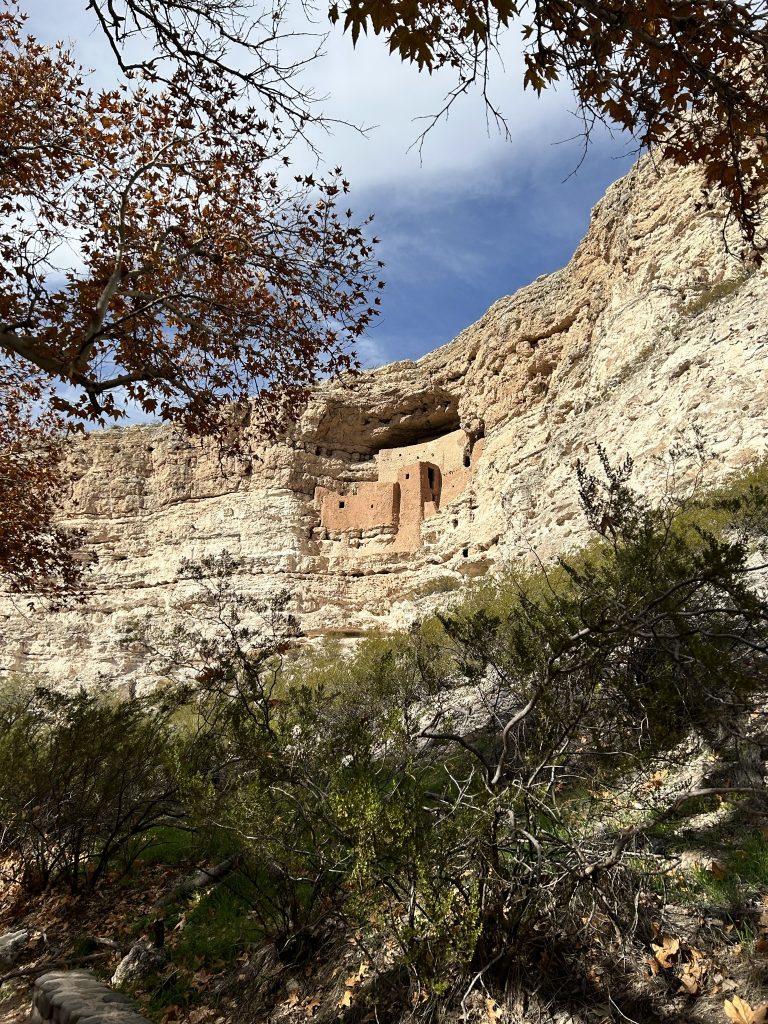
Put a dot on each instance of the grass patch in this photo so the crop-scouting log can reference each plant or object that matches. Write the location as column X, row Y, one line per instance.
column 169, row 846
column 219, row 925
column 440, row 585
column 204, row 937
column 719, row 291
column 737, row 877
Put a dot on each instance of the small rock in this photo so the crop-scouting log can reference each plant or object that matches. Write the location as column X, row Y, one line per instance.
column 11, row 947
column 141, row 960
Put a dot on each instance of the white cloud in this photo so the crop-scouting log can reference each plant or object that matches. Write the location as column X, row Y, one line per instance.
column 366, row 86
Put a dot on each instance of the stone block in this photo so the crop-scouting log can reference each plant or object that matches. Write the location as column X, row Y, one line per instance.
column 11, row 947
column 76, row 997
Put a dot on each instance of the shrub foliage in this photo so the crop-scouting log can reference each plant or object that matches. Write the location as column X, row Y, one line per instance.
column 499, row 777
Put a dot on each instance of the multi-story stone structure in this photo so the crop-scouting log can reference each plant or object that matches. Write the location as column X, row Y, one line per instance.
column 414, row 483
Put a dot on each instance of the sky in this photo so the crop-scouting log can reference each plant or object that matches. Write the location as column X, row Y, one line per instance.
column 463, row 221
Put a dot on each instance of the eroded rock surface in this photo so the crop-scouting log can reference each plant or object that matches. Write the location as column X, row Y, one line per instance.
column 651, row 333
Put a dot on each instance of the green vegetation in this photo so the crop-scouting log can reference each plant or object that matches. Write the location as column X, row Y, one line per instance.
column 721, row 290
column 82, row 776
column 439, row 585
column 499, row 781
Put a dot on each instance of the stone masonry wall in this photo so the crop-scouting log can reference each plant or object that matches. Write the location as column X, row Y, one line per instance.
column 76, row 997
column 372, row 505
column 448, row 452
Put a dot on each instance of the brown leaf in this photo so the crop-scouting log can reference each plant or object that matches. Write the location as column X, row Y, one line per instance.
column 667, row 951
column 739, row 1011
column 689, row 985
column 493, row 1010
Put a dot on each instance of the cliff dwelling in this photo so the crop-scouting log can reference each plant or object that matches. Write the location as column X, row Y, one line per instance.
column 414, row 483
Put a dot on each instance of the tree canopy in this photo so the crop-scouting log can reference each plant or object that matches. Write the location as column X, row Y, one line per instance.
column 156, row 253
column 153, row 252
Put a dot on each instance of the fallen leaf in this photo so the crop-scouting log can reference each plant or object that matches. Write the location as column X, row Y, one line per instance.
column 310, row 1006
column 689, row 984
column 346, row 999
column 737, row 1010
column 667, row 951
column 740, row 1012
column 493, row 1010
column 719, row 870
column 200, row 1014
column 357, row 977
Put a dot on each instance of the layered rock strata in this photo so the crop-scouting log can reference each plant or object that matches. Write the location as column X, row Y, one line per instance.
column 651, row 336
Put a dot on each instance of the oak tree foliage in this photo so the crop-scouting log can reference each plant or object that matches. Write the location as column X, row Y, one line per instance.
column 37, row 556
column 686, row 79
column 157, row 252
column 199, row 275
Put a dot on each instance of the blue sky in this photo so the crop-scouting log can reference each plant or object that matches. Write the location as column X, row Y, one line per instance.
column 450, row 255
column 470, row 218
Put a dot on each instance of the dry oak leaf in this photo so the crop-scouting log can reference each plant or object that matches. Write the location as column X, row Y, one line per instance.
column 493, row 1010
column 346, row 999
column 355, row 978
column 201, row 1014
column 667, row 951
column 739, row 1011
column 310, row 1006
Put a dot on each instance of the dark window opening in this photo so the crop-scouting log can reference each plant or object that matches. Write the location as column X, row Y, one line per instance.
column 341, row 504
column 318, row 451
column 371, row 506
column 465, row 552
column 455, row 523
column 431, row 476
column 407, row 476
column 467, row 462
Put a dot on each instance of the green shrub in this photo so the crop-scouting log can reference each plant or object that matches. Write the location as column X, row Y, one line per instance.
column 491, row 776
column 81, row 775
column 721, row 290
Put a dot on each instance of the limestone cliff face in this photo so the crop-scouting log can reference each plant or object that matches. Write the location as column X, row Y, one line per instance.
column 652, row 331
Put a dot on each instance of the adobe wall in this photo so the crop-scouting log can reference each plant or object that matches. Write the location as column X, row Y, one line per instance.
column 373, row 504
column 415, row 493
column 448, row 452
column 415, row 482
column 456, row 481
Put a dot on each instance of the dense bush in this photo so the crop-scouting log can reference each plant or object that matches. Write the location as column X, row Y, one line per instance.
column 81, row 775
column 494, row 780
